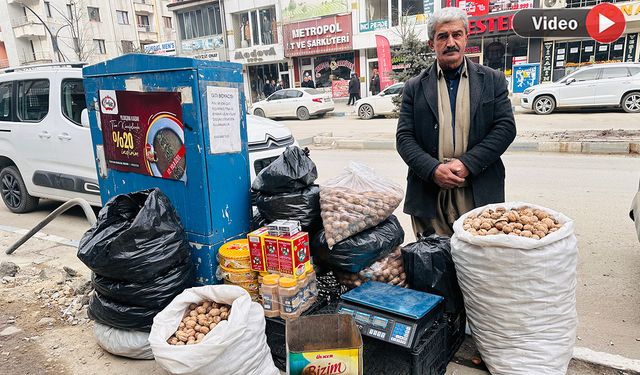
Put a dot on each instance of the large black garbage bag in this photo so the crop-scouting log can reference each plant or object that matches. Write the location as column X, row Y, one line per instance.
column 361, row 250
column 302, row 205
column 137, row 237
column 430, row 268
column 119, row 315
column 291, row 171
column 155, row 293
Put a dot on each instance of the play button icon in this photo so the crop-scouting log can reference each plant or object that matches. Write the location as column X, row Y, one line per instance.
column 605, row 23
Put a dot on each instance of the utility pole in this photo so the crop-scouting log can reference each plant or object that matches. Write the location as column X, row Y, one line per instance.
column 54, row 38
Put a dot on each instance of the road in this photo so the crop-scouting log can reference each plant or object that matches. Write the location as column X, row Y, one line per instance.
column 528, row 124
column 595, row 191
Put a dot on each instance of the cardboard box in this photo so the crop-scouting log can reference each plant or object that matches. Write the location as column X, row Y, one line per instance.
column 293, row 254
column 284, row 228
column 324, row 344
column 270, row 251
column 256, row 249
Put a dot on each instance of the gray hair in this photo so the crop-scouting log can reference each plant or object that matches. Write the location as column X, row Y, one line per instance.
column 446, row 15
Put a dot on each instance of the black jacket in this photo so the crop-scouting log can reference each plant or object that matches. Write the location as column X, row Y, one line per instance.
column 354, row 86
column 492, row 130
column 375, row 84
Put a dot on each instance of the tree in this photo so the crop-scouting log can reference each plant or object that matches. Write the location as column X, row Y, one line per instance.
column 413, row 54
column 77, row 30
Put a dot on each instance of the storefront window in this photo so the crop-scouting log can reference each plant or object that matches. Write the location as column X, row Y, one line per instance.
column 501, row 53
column 256, row 27
column 376, row 10
column 333, row 67
column 412, row 7
column 200, row 22
column 258, row 76
column 395, row 19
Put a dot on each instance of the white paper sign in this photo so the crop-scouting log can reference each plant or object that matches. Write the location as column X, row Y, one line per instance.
column 223, row 104
column 573, row 50
column 617, row 47
column 602, row 48
column 588, row 48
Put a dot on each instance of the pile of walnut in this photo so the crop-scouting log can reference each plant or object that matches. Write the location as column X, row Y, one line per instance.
column 346, row 212
column 523, row 221
column 198, row 321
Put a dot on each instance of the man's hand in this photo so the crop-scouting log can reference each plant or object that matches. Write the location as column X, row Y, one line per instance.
column 445, row 177
column 458, row 168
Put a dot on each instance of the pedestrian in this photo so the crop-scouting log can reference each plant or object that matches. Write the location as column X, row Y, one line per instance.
column 455, row 122
column 308, row 83
column 374, row 85
column 280, row 85
column 268, row 89
column 354, row 89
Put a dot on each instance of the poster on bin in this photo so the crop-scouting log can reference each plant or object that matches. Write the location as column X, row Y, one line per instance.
column 143, row 133
column 525, row 76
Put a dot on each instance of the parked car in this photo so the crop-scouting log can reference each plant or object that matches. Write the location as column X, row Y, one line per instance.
column 603, row 85
column 301, row 103
column 45, row 144
column 380, row 104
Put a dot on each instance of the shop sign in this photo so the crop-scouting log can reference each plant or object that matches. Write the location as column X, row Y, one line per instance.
column 166, row 48
column 631, row 11
column 324, row 35
column 143, row 133
column 374, row 25
column 340, row 88
column 525, row 76
column 632, row 45
column 493, row 25
column 501, row 6
column 252, row 55
column 384, row 61
column 547, row 62
column 472, row 49
column 475, row 8
column 214, row 56
column 518, row 60
column 202, row 44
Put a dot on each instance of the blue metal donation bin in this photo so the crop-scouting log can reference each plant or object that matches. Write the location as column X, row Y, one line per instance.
column 177, row 124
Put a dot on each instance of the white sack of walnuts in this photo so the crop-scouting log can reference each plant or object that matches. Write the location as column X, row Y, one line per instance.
column 356, row 200
column 520, row 294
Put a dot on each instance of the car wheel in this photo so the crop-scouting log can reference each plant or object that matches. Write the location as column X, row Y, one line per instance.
column 631, row 102
column 302, row 113
column 14, row 192
column 365, row 112
column 544, row 105
column 258, row 112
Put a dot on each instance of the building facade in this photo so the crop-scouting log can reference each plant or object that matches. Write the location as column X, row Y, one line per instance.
column 38, row 31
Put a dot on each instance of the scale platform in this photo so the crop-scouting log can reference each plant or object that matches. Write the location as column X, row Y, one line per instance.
column 390, row 313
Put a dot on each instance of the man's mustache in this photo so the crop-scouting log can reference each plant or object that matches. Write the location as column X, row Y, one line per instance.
column 451, row 49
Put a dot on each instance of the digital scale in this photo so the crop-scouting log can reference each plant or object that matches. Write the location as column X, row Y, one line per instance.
column 390, row 313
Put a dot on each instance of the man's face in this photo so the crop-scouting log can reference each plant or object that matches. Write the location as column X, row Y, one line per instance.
column 450, row 40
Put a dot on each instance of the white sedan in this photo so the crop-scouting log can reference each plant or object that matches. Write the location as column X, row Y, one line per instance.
column 380, row 104
column 301, row 103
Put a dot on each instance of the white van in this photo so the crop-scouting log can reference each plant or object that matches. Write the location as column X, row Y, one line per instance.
column 46, row 152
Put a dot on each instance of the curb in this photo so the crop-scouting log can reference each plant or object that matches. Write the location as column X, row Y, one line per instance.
column 614, row 361
column 585, row 147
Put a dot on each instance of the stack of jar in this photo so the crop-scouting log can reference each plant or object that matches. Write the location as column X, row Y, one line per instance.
column 235, row 267
column 287, row 297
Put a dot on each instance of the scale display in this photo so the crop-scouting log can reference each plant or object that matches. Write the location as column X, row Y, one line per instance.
column 390, row 313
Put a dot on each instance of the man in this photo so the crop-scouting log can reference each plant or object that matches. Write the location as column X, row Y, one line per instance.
column 354, row 89
column 308, row 83
column 455, row 123
column 268, row 89
column 280, row 85
column 374, row 85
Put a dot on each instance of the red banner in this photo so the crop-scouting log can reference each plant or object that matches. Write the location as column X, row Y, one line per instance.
column 384, row 61
column 340, row 88
column 324, row 35
column 143, row 133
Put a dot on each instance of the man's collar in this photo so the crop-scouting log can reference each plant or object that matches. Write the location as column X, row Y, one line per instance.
column 461, row 71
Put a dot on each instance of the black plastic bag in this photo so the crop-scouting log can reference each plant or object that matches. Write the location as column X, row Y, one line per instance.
column 302, row 205
column 361, row 250
column 291, row 171
column 156, row 293
column 137, row 237
column 430, row 268
column 119, row 315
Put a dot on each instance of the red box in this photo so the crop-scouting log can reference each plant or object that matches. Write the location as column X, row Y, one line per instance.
column 293, row 254
column 256, row 249
column 271, row 254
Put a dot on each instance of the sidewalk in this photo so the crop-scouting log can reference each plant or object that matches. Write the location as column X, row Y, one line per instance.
column 586, row 132
column 70, row 345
